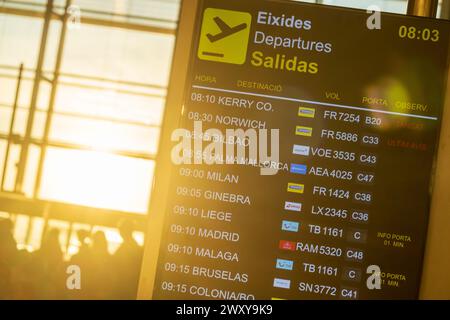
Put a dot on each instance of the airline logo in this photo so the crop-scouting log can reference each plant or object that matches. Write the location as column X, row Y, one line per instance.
column 290, row 226
column 293, row 206
column 306, row 112
column 224, row 36
column 285, row 264
column 282, row 283
column 300, row 150
column 303, row 131
column 298, row 168
column 287, row 245
column 296, row 188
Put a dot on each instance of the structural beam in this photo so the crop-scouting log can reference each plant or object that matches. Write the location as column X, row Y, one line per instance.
column 445, row 12
column 163, row 162
column 92, row 21
column 17, row 204
column 423, row 8
column 34, row 98
column 435, row 282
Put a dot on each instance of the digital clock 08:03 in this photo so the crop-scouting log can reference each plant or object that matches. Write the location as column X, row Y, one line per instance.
column 425, row 34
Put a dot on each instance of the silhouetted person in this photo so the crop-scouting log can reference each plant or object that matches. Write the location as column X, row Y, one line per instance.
column 24, row 277
column 82, row 259
column 49, row 268
column 8, row 258
column 16, row 280
column 100, row 269
column 127, row 261
column 83, row 254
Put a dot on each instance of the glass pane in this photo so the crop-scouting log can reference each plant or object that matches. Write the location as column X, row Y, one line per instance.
column 395, row 6
column 159, row 9
column 110, row 104
column 19, row 40
column 105, row 135
column 35, row 236
column 118, row 54
column 20, row 231
column 97, row 179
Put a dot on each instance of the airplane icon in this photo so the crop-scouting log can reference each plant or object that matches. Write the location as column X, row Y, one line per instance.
column 226, row 30
column 224, row 36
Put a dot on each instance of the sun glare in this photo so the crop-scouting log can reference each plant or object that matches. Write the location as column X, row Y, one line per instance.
column 97, row 179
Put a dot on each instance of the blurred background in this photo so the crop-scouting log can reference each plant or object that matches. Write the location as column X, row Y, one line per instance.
column 82, row 92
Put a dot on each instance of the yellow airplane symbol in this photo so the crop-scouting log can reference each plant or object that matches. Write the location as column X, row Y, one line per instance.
column 226, row 30
column 233, row 34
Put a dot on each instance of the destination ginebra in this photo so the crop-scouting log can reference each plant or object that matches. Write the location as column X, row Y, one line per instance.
column 282, row 61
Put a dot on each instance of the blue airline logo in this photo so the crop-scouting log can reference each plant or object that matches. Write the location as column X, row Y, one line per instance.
column 290, row 226
column 285, row 264
column 298, row 168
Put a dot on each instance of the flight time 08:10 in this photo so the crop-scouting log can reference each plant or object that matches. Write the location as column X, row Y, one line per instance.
column 413, row 33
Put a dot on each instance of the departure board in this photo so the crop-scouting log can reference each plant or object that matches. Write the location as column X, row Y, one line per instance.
column 302, row 167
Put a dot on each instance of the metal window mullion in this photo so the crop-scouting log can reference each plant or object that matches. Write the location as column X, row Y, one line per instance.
column 51, row 105
column 34, row 97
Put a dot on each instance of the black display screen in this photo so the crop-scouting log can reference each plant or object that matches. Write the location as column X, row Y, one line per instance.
column 350, row 114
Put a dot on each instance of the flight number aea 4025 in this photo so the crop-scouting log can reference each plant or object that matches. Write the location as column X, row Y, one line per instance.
column 331, row 173
column 346, row 175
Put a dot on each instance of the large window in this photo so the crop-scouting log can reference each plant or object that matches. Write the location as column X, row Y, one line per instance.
column 104, row 128
column 94, row 143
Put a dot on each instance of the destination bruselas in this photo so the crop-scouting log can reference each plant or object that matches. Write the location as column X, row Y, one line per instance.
column 219, row 274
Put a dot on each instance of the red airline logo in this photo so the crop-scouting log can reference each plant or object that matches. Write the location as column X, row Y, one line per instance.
column 287, row 245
